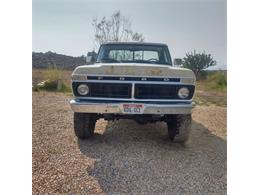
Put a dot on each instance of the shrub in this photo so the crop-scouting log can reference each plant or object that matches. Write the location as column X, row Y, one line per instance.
column 35, row 88
column 202, row 75
column 54, row 81
column 53, row 74
column 217, row 81
column 197, row 62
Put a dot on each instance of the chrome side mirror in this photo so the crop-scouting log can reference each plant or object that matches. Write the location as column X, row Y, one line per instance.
column 90, row 59
column 177, row 61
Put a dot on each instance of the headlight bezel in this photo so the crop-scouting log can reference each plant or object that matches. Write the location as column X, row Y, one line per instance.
column 83, row 86
column 182, row 91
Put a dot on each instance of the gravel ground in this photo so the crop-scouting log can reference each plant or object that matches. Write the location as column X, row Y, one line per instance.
column 124, row 157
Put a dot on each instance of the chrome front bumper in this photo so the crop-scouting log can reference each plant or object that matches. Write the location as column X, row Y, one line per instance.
column 115, row 108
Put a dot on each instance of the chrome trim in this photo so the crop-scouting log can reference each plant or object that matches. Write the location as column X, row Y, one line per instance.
column 133, row 91
column 134, row 99
column 141, row 82
column 114, row 108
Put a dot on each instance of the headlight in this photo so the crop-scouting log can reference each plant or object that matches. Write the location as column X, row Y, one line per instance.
column 183, row 92
column 83, row 89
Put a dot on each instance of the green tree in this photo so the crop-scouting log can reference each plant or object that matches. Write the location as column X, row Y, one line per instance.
column 198, row 61
column 116, row 28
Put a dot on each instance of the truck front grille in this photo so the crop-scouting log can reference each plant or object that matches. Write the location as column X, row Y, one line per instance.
column 141, row 91
column 159, row 91
column 144, row 91
column 110, row 90
column 106, row 90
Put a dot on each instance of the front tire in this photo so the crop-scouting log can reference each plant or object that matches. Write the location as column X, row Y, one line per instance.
column 84, row 125
column 179, row 127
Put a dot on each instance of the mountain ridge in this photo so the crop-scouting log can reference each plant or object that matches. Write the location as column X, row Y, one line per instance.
column 51, row 59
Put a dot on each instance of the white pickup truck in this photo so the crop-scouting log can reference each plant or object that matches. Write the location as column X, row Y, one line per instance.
column 133, row 81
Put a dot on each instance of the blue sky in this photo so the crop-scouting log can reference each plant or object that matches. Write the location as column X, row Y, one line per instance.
column 64, row 26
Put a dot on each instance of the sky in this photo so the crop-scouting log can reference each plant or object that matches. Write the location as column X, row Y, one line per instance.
column 65, row 26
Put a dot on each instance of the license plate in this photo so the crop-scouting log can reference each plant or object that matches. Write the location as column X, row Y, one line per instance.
column 132, row 108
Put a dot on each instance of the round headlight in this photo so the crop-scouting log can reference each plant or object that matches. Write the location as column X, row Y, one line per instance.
column 183, row 92
column 83, row 89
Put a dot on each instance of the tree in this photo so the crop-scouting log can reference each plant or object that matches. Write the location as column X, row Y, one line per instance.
column 198, row 61
column 116, row 28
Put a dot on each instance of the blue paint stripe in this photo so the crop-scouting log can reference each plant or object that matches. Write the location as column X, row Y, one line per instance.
column 133, row 78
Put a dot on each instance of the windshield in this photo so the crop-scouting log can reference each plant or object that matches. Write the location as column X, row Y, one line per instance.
column 127, row 53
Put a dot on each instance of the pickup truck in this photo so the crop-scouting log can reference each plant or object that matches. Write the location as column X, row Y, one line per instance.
column 130, row 80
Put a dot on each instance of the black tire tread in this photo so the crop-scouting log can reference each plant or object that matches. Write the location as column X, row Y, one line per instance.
column 84, row 125
column 182, row 126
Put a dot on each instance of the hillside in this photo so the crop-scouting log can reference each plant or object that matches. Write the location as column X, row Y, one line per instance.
column 47, row 59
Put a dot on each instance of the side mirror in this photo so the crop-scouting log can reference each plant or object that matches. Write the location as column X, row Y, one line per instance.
column 90, row 59
column 177, row 61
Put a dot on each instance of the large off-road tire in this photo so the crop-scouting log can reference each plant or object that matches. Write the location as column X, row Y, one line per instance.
column 179, row 127
column 84, row 125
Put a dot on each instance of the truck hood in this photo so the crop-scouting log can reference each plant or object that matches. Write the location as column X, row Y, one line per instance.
column 134, row 69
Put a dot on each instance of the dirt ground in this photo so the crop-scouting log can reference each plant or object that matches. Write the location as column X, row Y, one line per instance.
column 124, row 157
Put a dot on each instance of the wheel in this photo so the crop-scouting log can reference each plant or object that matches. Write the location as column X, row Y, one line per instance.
column 84, row 125
column 179, row 127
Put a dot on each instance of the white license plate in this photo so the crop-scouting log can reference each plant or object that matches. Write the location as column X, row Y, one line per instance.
column 132, row 108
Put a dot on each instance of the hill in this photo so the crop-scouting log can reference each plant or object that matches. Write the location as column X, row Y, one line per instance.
column 47, row 59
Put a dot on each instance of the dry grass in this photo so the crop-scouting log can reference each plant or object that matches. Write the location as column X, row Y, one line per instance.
column 52, row 79
column 205, row 96
column 39, row 75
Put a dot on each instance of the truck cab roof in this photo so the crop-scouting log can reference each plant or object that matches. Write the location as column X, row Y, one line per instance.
column 134, row 43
